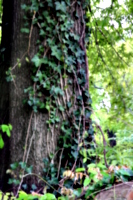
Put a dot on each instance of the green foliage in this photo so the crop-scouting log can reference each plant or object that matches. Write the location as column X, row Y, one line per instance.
column 22, row 168
column 5, row 129
column 51, row 172
column 89, row 183
column 111, row 78
column 59, row 65
column 54, row 72
column 25, row 196
column 55, row 63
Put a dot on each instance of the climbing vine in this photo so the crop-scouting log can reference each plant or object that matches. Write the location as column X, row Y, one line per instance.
column 59, row 88
column 60, row 74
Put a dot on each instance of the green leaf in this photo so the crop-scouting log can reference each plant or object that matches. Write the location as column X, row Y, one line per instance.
column 10, row 127
column 29, row 169
column 87, row 181
column 22, row 195
column 69, row 104
column 42, row 105
column 92, row 165
column 48, row 107
column 56, row 52
column 14, row 165
column 63, row 198
column 42, row 32
column 6, row 128
column 56, row 90
column 48, row 196
column 61, row 108
column 1, row 142
column 57, row 119
column 84, row 160
column 36, row 60
column 8, row 133
column 25, row 30
column 77, row 192
column 61, row 6
column 10, row 181
column 23, row 165
column 16, row 181
column 24, row 6
column 126, row 172
column 34, row 187
column 80, row 169
column 75, row 154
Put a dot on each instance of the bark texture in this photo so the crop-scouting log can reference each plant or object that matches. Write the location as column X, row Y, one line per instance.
column 117, row 192
column 28, row 129
column 30, row 140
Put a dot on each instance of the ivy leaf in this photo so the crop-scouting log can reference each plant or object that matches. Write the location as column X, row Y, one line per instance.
column 16, row 182
column 75, row 154
column 61, row 6
column 33, row 186
column 57, row 90
column 126, row 172
column 42, row 105
column 24, row 6
column 77, row 192
column 36, row 60
column 42, row 33
column 14, row 165
column 23, row 165
column 29, row 169
column 56, row 52
column 25, row 30
column 61, row 108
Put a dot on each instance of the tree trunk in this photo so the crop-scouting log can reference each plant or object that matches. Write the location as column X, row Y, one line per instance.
column 4, row 86
column 31, row 139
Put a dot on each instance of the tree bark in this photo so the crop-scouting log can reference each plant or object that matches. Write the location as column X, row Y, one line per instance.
column 116, row 192
column 30, row 140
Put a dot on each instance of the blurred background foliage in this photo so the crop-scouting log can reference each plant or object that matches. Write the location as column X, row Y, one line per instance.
column 110, row 56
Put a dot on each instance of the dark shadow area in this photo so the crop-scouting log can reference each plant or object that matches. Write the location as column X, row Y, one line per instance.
column 112, row 138
column 5, row 54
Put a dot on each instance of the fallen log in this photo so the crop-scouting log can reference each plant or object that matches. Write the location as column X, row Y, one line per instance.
column 122, row 191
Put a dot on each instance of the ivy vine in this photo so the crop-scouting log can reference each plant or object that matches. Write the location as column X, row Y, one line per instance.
column 60, row 73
